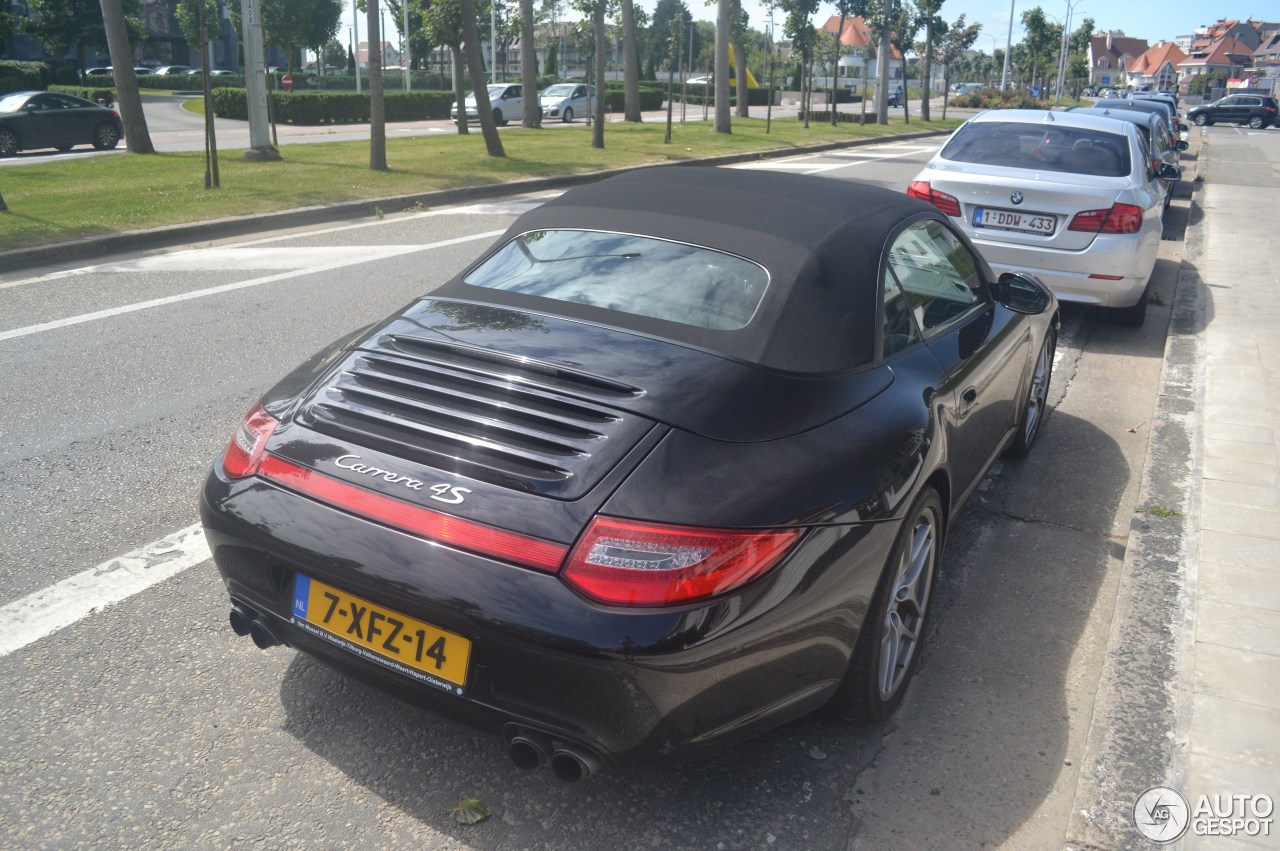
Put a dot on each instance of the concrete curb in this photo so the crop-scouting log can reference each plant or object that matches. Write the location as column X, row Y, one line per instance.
column 1137, row 735
column 170, row 235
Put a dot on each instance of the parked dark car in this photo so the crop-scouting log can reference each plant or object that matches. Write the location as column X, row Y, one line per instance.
column 671, row 464
column 1257, row 111
column 1155, row 135
column 31, row 120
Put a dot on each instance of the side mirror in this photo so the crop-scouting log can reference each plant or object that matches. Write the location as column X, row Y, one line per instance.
column 1169, row 171
column 1183, row 144
column 1022, row 293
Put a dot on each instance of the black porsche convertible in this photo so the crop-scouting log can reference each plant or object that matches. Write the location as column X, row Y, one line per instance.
column 671, row 464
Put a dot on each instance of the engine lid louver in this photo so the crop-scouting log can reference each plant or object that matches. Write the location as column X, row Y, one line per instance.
column 527, row 425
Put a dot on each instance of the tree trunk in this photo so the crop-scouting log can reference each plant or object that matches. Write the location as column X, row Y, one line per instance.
column 740, row 65
column 928, row 71
column 529, row 67
column 883, row 56
column 630, row 64
column 484, row 109
column 136, row 138
column 459, row 89
column 724, row 19
column 835, row 69
column 377, row 103
column 597, row 23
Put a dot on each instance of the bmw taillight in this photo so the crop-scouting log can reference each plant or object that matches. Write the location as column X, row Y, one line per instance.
column 630, row 563
column 244, row 453
column 921, row 189
column 1118, row 218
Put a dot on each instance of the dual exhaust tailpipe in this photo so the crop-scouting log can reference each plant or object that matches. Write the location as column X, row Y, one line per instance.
column 530, row 750
column 245, row 621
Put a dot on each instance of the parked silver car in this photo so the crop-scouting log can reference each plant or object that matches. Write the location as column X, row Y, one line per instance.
column 1070, row 198
column 1155, row 135
column 565, row 100
column 505, row 99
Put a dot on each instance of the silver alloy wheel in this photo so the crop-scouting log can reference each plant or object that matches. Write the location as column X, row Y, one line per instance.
column 8, row 142
column 105, row 136
column 1202, row 120
column 567, row 116
column 908, row 601
column 1039, row 392
column 1256, row 122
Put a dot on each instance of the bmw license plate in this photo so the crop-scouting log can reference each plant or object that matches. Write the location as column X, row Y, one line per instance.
column 988, row 217
column 417, row 649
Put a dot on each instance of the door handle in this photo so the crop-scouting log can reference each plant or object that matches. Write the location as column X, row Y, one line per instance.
column 969, row 396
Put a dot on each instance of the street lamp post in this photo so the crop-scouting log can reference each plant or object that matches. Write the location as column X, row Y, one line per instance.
column 1008, row 48
column 1062, row 61
column 355, row 28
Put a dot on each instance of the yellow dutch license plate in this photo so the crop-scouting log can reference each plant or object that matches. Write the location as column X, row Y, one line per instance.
column 412, row 647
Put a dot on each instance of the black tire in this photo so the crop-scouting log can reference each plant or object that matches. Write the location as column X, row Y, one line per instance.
column 498, row 119
column 567, row 115
column 106, row 136
column 1202, row 120
column 1036, row 404
column 8, row 142
column 1255, row 123
column 1132, row 317
column 874, row 685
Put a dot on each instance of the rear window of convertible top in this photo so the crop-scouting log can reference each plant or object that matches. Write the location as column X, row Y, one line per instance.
column 632, row 274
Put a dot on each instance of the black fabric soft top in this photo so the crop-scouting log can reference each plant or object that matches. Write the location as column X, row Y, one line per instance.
column 820, row 239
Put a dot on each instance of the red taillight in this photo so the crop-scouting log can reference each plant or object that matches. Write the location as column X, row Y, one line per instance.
column 414, row 519
column 944, row 202
column 629, row 563
column 244, row 453
column 1119, row 218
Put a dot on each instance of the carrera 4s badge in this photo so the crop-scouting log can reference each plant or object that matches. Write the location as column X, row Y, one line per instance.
column 440, row 492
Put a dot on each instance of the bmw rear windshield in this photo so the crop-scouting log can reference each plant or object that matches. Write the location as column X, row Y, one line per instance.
column 1012, row 144
column 630, row 274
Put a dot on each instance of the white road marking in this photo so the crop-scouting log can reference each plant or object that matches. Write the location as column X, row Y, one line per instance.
column 235, row 258
column 800, row 163
column 390, row 251
column 44, row 612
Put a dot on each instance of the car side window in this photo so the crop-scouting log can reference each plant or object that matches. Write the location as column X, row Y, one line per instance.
column 899, row 329
column 580, row 92
column 513, row 92
column 937, row 273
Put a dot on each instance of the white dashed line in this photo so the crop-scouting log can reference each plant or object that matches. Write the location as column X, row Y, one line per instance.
column 48, row 610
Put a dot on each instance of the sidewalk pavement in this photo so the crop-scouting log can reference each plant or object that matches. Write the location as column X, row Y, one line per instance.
column 1190, row 692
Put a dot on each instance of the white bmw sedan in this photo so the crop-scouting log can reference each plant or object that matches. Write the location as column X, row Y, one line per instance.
column 1073, row 199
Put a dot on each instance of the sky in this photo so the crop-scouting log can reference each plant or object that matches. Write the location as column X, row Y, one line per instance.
column 1151, row 20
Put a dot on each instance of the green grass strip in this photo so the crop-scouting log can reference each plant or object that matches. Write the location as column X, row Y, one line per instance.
column 65, row 198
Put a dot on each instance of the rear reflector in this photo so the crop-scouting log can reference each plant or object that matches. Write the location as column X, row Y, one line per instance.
column 1107, row 277
column 245, row 450
column 921, row 189
column 629, row 563
column 1118, row 218
column 415, row 519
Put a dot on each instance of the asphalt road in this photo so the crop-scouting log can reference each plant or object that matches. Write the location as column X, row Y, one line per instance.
column 147, row 723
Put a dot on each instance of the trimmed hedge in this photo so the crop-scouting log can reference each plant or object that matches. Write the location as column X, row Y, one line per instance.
column 615, row 98
column 996, row 99
column 700, row 92
column 19, row 76
column 312, row 108
column 186, row 82
column 824, row 117
column 95, row 94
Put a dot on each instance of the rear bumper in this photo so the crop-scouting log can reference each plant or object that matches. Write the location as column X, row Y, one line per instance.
column 630, row 685
column 1067, row 273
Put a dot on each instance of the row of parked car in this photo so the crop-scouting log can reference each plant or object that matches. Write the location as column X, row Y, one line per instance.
column 1074, row 197
column 559, row 101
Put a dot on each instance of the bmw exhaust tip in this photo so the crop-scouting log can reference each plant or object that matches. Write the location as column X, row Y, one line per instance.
column 241, row 619
column 571, row 764
column 261, row 633
column 529, row 750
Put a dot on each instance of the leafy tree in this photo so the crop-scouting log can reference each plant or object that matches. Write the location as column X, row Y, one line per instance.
column 659, row 47
column 1040, row 42
column 553, row 60
column 927, row 16
column 293, row 24
column 9, row 25
column 799, row 28
column 443, row 22
column 596, row 44
column 895, row 26
column 955, row 42
column 847, row 9
column 736, row 33
column 63, row 25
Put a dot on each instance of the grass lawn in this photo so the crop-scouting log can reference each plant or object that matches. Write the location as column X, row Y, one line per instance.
column 64, row 198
